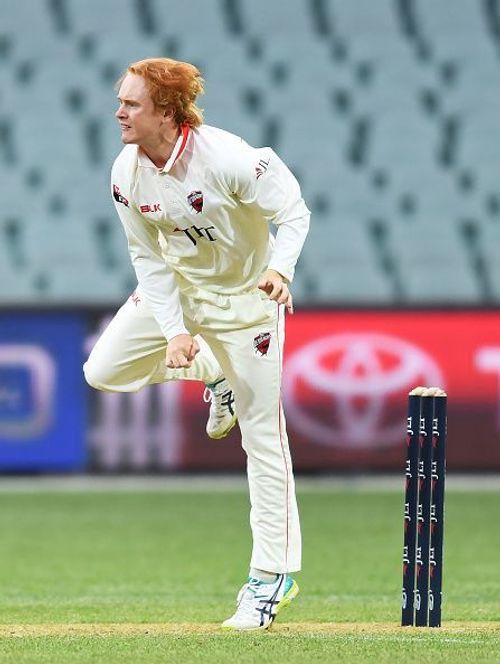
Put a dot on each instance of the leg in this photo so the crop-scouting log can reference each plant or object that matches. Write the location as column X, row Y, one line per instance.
column 131, row 354
column 255, row 376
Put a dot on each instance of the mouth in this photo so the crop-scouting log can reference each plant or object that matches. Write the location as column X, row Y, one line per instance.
column 124, row 127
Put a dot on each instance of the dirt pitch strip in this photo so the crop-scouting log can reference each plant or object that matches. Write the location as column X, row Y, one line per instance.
column 364, row 630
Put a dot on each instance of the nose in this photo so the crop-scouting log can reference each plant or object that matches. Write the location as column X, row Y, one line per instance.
column 120, row 113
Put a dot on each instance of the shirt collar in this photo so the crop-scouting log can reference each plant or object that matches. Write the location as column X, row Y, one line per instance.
column 179, row 148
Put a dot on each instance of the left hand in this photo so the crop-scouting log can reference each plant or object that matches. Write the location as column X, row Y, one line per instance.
column 273, row 283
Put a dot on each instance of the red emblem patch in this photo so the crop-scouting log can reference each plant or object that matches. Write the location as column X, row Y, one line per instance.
column 261, row 343
column 195, row 200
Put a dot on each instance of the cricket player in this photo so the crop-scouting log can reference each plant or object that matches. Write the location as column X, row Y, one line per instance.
column 195, row 203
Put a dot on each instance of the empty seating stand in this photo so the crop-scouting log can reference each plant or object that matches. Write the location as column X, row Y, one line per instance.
column 387, row 112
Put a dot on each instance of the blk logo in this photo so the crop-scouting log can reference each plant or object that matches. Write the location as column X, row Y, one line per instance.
column 153, row 207
column 134, row 297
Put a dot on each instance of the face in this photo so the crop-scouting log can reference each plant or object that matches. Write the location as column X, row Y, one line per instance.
column 140, row 122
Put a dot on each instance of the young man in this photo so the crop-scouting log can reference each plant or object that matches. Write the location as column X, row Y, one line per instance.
column 195, row 202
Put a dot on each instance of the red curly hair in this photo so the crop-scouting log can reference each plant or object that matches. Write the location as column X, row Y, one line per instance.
column 171, row 84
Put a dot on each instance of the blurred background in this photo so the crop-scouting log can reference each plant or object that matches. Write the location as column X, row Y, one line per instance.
column 388, row 113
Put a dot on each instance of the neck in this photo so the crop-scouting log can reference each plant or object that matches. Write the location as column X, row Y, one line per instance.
column 159, row 151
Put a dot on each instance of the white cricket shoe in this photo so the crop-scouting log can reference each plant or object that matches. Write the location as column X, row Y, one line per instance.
column 259, row 602
column 222, row 416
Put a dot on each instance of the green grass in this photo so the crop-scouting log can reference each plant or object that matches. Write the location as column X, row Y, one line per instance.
column 138, row 560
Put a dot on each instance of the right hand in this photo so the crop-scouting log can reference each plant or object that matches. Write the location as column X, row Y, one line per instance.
column 274, row 285
column 181, row 351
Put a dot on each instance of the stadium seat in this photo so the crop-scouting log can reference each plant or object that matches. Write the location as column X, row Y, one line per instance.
column 387, row 113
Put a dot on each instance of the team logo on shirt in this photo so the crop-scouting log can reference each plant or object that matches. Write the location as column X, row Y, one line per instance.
column 261, row 343
column 118, row 197
column 195, row 200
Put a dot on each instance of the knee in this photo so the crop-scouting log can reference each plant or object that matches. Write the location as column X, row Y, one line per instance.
column 96, row 377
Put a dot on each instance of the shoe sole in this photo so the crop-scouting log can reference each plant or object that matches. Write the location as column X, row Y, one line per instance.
column 224, row 433
column 288, row 598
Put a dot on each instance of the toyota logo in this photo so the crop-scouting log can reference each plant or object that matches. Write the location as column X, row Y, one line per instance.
column 349, row 390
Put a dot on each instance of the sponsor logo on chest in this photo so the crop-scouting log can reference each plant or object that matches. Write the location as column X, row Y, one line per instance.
column 150, row 207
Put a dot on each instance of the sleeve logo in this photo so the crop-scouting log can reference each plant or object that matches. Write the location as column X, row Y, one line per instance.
column 261, row 168
column 118, row 196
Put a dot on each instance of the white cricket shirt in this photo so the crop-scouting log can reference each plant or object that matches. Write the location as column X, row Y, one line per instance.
column 200, row 223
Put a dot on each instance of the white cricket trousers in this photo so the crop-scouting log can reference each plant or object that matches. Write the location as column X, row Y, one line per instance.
column 245, row 333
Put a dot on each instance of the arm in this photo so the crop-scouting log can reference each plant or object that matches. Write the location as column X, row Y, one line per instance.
column 262, row 180
column 155, row 277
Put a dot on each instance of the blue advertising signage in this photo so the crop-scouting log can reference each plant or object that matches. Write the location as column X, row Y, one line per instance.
column 42, row 392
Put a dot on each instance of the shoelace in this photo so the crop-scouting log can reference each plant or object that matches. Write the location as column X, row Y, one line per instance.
column 221, row 399
column 210, row 396
column 246, row 604
column 250, row 603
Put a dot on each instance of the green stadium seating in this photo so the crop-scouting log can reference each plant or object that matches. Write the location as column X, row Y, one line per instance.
column 388, row 112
